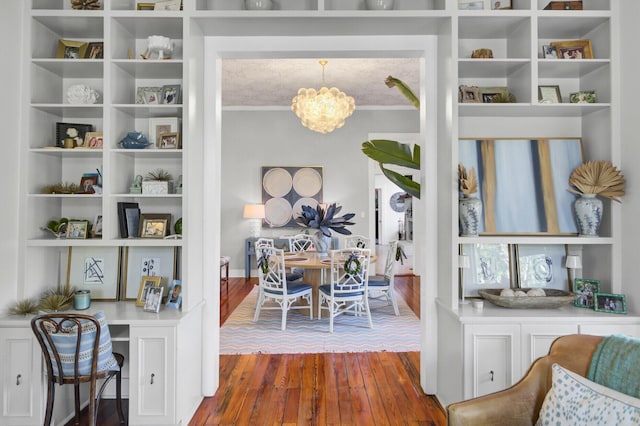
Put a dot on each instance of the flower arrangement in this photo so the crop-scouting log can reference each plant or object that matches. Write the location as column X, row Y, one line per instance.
column 598, row 177
column 325, row 219
column 467, row 183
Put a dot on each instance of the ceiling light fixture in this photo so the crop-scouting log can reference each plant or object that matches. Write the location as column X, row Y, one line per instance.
column 324, row 110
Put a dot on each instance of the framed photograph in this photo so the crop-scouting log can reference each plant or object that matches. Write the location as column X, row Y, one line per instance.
column 77, row 229
column 493, row 95
column 174, row 297
column 93, row 140
column 573, row 49
column 96, row 269
column 549, row 95
column 541, row 265
column 87, row 182
column 161, row 125
column 471, row 4
column 97, row 226
column 152, row 96
column 167, row 5
column 73, row 131
column 584, row 97
column 154, row 299
column 147, row 261
column 146, row 284
column 499, row 4
column 469, row 94
column 490, row 267
column 70, row 49
column 170, row 94
column 145, row 6
column 144, row 93
column 612, row 303
column 169, row 140
column 95, row 50
column 157, row 216
column 153, row 228
column 549, row 52
column 585, row 290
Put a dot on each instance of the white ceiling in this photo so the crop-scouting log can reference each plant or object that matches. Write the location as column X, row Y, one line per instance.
column 274, row 82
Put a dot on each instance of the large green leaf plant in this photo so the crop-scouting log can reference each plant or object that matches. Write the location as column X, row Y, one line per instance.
column 386, row 151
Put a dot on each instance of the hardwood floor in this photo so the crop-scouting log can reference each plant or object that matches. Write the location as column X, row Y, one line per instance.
column 381, row 388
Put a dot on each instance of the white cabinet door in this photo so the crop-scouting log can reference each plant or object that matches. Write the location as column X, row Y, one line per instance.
column 491, row 358
column 632, row 330
column 537, row 339
column 20, row 367
column 152, row 399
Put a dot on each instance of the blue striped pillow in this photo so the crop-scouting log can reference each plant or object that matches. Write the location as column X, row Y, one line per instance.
column 65, row 343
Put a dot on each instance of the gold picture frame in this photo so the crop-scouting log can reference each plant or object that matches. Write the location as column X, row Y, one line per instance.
column 169, row 140
column 71, row 49
column 146, row 283
column 493, row 95
column 153, row 228
column 573, row 49
column 469, row 94
column 145, row 6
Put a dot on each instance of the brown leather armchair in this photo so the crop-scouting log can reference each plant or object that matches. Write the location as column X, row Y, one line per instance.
column 521, row 403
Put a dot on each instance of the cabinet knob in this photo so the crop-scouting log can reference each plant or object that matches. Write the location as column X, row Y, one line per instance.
column 152, row 376
column 491, row 373
column 18, row 377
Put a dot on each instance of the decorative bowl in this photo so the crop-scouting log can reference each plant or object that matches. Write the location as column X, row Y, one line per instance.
column 134, row 140
column 553, row 299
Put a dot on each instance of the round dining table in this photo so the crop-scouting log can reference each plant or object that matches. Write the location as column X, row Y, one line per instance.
column 314, row 266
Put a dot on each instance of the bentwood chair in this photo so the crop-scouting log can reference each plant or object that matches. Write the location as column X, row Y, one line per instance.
column 77, row 349
column 273, row 286
column 383, row 285
column 347, row 292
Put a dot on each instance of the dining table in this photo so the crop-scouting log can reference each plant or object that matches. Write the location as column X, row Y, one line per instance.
column 314, row 266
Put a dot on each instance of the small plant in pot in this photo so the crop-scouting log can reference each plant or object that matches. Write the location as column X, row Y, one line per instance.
column 590, row 180
column 469, row 206
column 324, row 219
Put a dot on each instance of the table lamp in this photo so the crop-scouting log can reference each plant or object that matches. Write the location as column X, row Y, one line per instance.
column 573, row 262
column 464, row 262
column 255, row 213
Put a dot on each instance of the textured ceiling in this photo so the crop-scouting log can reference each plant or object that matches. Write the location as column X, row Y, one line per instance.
column 274, row 82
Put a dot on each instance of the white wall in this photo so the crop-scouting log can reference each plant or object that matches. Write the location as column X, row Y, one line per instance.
column 252, row 139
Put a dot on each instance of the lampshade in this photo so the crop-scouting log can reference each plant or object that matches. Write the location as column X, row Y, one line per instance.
column 253, row 211
column 574, row 262
column 324, row 110
column 464, row 262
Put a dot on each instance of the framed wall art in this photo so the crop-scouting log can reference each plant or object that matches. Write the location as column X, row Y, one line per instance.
column 585, row 290
column 490, row 267
column 542, row 265
column 96, row 269
column 147, row 261
column 523, row 183
column 286, row 189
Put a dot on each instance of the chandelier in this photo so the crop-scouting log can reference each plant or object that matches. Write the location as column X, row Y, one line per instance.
column 323, row 110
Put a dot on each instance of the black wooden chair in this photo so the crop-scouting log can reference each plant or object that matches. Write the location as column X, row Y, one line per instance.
column 77, row 349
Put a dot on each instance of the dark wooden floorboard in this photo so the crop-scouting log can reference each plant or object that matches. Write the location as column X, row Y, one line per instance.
column 367, row 388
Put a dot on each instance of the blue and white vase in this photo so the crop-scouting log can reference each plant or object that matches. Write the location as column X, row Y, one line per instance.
column 470, row 214
column 588, row 210
column 322, row 243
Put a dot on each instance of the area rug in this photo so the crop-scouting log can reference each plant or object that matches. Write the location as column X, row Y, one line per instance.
column 240, row 335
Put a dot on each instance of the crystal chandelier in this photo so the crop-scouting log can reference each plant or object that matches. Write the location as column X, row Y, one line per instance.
column 324, row 110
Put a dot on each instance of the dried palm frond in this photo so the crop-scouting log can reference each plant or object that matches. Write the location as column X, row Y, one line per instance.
column 159, row 174
column 62, row 188
column 57, row 299
column 598, row 177
column 85, row 4
column 467, row 183
column 24, row 307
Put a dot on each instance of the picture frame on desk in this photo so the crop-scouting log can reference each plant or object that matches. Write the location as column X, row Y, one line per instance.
column 585, row 290
column 95, row 269
column 154, row 299
column 174, row 296
column 610, row 303
column 146, row 261
column 147, row 283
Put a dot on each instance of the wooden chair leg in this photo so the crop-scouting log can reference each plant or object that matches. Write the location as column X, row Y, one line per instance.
column 119, row 397
column 76, row 392
column 51, row 393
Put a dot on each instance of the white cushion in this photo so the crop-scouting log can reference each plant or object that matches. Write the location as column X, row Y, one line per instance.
column 575, row 400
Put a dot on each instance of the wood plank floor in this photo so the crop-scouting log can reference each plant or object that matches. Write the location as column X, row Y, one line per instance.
column 381, row 388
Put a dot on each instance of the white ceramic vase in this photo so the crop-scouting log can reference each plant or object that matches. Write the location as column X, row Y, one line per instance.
column 322, row 243
column 470, row 214
column 588, row 211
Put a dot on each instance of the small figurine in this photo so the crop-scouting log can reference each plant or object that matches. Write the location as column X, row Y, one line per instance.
column 136, row 186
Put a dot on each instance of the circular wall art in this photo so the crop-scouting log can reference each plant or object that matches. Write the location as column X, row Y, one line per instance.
column 277, row 182
column 396, row 201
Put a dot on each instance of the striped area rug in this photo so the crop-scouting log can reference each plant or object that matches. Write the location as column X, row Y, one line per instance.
column 240, row 335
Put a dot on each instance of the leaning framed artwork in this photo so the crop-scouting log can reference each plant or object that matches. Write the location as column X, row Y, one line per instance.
column 147, row 261
column 490, row 267
column 523, row 183
column 95, row 269
column 542, row 265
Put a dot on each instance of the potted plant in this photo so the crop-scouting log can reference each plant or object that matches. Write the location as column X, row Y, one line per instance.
column 157, row 182
column 324, row 219
column 469, row 206
column 591, row 179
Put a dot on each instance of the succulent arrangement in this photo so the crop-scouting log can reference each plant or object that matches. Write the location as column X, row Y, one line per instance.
column 325, row 219
column 467, row 182
column 598, row 177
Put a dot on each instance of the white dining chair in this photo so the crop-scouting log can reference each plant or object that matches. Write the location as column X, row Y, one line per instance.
column 383, row 285
column 273, row 286
column 347, row 292
column 301, row 242
column 357, row 241
column 269, row 242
